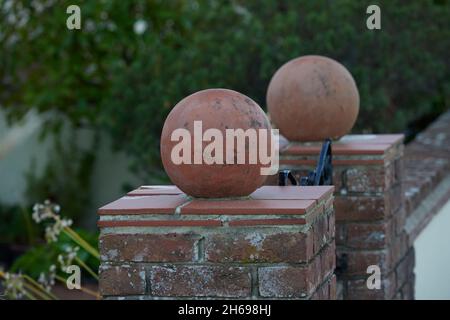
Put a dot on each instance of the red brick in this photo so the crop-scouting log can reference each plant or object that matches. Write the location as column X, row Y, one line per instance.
column 357, row 289
column 296, row 281
column 405, row 269
column 398, row 247
column 322, row 293
column 341, row 234
column 121, row 280
column 407, row 291
column 374, row 235
column 333, row 288
column 200, row 281
column 320, row 233
column 365, row 179
column 327, row 260
column 327, row 290
column 331, row 225
column 358, row 261
column 258, row 246
column 286, row 282
column 394, row 198
column 399, row 221
column 362, row 208
column 172, row 247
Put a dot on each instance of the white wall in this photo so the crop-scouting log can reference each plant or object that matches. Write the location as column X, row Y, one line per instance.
column 433, row 258
column 19, row 145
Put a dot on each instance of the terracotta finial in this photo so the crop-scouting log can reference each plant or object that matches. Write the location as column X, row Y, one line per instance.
column 312, row 98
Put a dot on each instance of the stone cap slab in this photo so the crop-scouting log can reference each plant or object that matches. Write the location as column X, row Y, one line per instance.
column 370, row 149
column 161, row 204
column 155, row 190
column 358, row 144
column 269, row 205
column 248, row 206
column 316, row 193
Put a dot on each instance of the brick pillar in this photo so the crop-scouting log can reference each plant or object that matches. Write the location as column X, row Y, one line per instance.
column 278, row 243
column 369, row 211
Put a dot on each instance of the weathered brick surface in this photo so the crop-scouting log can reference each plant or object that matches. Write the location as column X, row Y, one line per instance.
column 358, row 261
column 258, row 246
column 171, row 247
column 376, row 235
column 357, row 289
column 297, row 282
column 121, row 279
column 200, row 281
column 366, row 179
column 370, row 208
column 426, row 162
column 326, row 291
column 286, row 282
column 360, row 208
column 405, row 269
column 238, row 258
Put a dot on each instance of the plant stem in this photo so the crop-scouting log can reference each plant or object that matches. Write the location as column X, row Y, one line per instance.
column 36, row 291
column 28, row 225
column 86, row 267
column 86, row 246
column 38, row 285
column 29, row 295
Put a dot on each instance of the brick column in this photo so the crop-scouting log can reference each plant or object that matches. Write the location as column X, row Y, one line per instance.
column 370, row 217
column 278, row 243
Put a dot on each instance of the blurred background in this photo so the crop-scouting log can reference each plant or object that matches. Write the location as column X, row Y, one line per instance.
column 81, row 111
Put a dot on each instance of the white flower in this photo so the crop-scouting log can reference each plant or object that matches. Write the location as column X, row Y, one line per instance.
column 48, row 280
column 66, row 260
column 140, row 26
column 14, row 285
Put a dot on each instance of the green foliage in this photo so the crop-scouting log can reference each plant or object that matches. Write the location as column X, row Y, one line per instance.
column 39, row 258
column 17, row 226
column 108, row 76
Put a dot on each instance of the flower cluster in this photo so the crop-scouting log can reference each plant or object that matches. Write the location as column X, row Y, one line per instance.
column 66, row 260
column 47, row 211
column 48, row 280
column 14, row 286
column 52, row 231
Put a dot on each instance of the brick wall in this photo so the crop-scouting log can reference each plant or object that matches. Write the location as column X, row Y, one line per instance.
column 277, row 244
column 370, row 215
column 426, row 180
column 157, row 243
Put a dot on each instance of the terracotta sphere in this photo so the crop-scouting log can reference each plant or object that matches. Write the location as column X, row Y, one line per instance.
column 312, row 98
column 219, row 109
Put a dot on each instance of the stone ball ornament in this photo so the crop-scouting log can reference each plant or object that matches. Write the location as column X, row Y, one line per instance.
column 312, row 98
column 211, row 144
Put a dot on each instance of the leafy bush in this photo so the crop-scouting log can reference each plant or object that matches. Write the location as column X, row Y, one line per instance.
column 109, row 76
column 16, row 226
column 39, row 258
